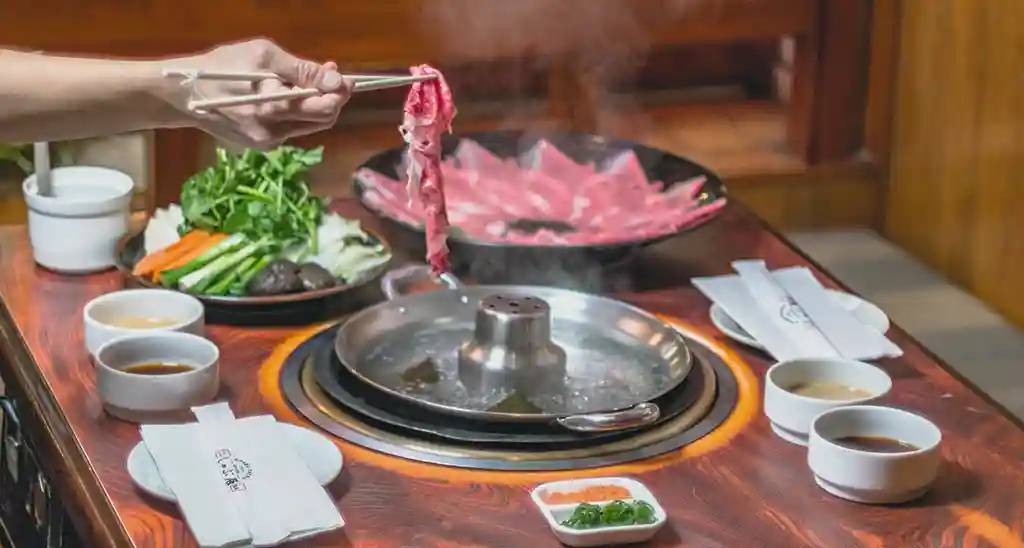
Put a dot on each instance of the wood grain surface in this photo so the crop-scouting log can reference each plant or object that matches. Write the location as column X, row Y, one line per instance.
column 740, row 487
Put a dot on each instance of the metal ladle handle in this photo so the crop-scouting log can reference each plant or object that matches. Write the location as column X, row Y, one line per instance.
column 642, row 414
column 393, row 280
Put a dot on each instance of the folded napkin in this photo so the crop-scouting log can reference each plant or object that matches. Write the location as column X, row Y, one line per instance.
column 791, row 314
column 239, row 482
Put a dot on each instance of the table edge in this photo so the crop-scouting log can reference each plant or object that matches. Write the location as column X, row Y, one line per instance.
column 78, row 484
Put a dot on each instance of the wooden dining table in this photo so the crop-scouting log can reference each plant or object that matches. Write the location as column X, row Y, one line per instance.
column 738, row 486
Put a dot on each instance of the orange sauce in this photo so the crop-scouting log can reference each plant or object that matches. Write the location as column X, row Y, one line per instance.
column 594, row 493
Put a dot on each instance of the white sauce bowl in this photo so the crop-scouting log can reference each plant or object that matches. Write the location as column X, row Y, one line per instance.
column 100, row 315
column 791, row 414
column 869, row 477
column 137, row 397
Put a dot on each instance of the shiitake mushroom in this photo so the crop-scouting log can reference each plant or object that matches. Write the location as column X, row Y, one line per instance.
column 278, row 277
column 314, row 276
column 283, row 276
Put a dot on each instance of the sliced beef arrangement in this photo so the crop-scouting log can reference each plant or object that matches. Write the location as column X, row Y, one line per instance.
column 429, row 110
column 545, row 198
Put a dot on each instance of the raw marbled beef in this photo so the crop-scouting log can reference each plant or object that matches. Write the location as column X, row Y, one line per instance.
column 429, row 110
column 488, row 197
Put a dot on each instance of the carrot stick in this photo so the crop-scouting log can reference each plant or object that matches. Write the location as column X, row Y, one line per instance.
column 150, row 263
column 187, row 257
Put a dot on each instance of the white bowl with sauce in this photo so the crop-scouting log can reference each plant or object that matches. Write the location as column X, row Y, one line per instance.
column 135, row 311
column 151, row 376
column 75, row 229
column 797, row 391
column 874, row 455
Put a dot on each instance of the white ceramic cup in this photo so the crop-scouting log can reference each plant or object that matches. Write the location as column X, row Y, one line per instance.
column 76, row 229
column 184, row 310
column 137, row 397
column 791, row 414
column 874, row 478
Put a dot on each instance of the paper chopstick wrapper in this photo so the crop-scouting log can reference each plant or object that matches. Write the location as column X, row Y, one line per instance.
column 191, row 473
column 277, row 495
column 849, row 336
column 783, row 323
column 239, row 482
column 793, row 334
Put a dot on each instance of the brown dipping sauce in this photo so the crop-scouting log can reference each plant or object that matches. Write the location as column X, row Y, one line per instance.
column 158, row 368
column 875, row 444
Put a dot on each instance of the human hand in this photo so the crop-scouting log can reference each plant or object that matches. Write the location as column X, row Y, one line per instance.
column 267, row 125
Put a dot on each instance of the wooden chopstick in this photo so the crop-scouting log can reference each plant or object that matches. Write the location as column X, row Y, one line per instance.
column 258, row 76
column 256, row 99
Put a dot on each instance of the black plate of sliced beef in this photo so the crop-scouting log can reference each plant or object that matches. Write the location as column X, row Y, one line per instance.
column 545, row 209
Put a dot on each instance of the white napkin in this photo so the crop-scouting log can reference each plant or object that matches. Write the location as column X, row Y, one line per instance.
column 792, row 315
column 238, row 482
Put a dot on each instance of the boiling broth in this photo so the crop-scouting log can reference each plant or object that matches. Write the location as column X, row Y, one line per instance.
column 140, row 322
column 825, row 390
column 875, row 444
column 158, row 368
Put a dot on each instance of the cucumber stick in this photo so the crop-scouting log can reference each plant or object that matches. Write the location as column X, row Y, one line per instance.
column 227, row 245
column 243, row 281
column 198, row 281
column 225, row 282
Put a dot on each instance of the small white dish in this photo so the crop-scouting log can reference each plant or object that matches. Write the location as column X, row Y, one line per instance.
column 173, row 310
column 75, row 229
column 866, row 312
column 555, row 514
column 872, row 477
column 323, row 458
column 140, row 397
column 791, row 414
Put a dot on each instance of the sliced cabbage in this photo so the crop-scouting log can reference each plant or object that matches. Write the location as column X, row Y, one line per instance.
column 162, row 229
column 345, row 250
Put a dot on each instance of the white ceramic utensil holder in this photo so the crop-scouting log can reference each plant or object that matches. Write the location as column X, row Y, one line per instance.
column 75, row 230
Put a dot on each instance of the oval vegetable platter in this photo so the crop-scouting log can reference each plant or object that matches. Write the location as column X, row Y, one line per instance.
column 256, row 247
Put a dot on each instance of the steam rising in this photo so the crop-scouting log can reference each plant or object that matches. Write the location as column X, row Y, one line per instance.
column 604, row 40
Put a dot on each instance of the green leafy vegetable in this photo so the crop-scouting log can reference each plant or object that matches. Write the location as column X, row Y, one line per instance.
column 263, row 202
column 260, row 195
column 614, row 514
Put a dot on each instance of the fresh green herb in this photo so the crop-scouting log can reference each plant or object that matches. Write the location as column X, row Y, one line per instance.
column 614, row 514
column 584, row 516
column 644, row 514
column 261, row 195
column 618, row 513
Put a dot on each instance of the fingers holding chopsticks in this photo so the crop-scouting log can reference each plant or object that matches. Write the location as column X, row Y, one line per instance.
column 304, row 96
column 322, row 108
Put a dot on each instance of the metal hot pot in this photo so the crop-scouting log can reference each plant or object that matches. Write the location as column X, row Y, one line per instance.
column 515, row 353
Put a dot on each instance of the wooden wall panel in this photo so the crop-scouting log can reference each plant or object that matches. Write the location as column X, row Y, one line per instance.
column 955, row 193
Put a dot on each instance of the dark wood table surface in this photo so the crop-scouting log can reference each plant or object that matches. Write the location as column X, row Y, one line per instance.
column 739, row 487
